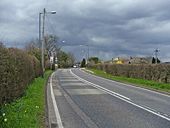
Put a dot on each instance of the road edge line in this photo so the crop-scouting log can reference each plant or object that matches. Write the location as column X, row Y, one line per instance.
column 57, row 114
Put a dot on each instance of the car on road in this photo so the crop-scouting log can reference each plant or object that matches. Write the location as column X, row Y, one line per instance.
column 74, row 66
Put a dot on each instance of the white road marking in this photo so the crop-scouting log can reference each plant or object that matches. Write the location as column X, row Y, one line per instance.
column 124, row 99
column 85, row 91
column 66, row 77
column 128, row 85
column 89, row 71
column 73, row 84
column 101, row 88
column 69, row 80
column 59, row 122
column 87, row 120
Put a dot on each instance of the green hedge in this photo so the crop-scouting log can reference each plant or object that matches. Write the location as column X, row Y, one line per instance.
column 155, row 72
column 17, row 70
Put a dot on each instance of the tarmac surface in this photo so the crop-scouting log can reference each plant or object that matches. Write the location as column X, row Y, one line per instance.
column 77, row 99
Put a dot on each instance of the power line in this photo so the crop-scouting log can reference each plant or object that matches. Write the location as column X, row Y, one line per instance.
column 51, row 25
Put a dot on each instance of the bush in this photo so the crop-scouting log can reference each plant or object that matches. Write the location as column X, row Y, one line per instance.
column 53, row 66
column 83, row 63
column 155, row 72
column 17, row 70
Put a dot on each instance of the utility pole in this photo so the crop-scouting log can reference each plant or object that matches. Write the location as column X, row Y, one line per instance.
column 87, row 53
column 40, row 40
column 156, row 55
column 43, row 42
column 40, row 28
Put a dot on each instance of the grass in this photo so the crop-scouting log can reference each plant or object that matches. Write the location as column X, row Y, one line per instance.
column 162, row 87
column 29, row 110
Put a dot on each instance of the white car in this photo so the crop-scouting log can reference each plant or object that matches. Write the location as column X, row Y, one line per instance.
column 74, row 66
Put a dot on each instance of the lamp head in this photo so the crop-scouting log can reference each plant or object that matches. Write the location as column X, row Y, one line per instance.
column 53, row 12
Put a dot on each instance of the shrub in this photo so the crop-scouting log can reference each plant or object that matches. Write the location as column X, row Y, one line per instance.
column 155, row 72
column 17, row 70
column 53, row 66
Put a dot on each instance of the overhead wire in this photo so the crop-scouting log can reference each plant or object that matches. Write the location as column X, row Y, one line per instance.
column 51, row 25
column 50, row 29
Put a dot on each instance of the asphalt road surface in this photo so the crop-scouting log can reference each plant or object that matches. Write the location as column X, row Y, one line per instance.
column 87, row 101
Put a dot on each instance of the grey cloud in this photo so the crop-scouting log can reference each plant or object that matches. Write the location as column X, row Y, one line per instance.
column 110, row 27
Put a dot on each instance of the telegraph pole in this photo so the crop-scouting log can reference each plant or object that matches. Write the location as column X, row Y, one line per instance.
column 40, row 40
column 87, row 53
column 156, row 55
column 43, row 42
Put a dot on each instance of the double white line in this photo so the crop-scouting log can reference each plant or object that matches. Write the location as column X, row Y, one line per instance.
column 126, row 99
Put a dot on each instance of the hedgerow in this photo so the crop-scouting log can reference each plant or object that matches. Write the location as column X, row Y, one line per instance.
column 17, row 70
column 155, row 72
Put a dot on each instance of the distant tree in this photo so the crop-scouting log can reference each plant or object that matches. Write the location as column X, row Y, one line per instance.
column 83, row 63
column 51, row 45
column 61, row 59
column 32, row 49
column 71, row 59
column 51, row 48
column 65, row 60
column 154, row 60
column 94, row 60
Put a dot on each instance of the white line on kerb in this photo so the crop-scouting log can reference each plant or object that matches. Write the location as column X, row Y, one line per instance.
column 124, row 99
column 59, row 122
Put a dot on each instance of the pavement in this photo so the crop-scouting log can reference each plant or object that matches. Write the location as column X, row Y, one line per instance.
column 76, row 99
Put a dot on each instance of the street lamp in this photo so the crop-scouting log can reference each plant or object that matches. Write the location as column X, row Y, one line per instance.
column 43, row 28
column 52, row 12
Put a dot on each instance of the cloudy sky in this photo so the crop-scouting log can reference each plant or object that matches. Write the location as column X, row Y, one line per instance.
column 111, row 28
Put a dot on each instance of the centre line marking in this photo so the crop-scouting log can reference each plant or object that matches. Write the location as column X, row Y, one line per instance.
column 101, row 88
column 127, row 84
column 128, row 100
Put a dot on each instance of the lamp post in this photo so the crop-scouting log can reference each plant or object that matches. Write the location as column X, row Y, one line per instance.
column 43, row 35
column 40, row 28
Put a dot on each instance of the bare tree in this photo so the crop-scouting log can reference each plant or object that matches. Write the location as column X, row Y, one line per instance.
column 51, row 45
column 33, row 49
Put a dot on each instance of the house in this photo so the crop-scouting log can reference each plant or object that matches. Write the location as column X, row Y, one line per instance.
column 119, row 60
column 131, row 60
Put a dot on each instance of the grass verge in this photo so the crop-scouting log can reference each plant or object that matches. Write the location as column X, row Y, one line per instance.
column 162, row 87
column 29, row 110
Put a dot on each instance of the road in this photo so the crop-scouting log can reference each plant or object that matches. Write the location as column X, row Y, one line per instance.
column 82, row 100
